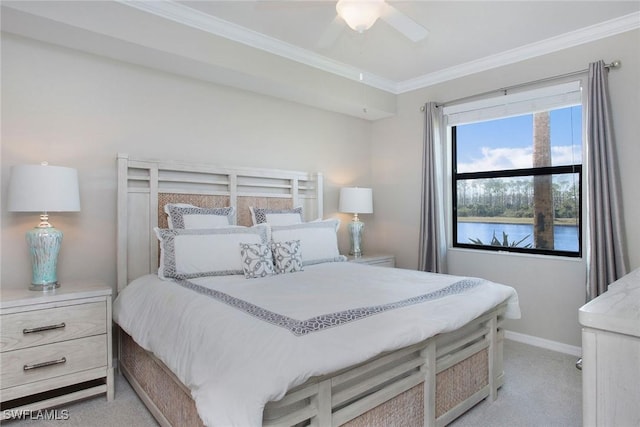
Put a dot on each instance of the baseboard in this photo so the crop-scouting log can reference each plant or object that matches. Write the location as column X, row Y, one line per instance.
column 544, row 343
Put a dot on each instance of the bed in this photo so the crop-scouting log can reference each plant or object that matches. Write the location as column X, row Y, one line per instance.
column 358, row 359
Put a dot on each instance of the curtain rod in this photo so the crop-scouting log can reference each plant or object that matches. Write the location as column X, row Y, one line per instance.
column 614, row 64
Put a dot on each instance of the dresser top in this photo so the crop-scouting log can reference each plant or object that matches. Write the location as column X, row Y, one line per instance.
column 67, row 291
column 618, row 309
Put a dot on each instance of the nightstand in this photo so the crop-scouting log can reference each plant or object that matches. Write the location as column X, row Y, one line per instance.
column 379, row 260
column 55, row 347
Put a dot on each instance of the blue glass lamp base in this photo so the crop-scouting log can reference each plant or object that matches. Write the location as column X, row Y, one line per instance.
column 47, row 287
column 355, row 228
column 44, row 245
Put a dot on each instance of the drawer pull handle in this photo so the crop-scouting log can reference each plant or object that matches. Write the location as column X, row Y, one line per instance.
column 44, row 364
column 43, row 328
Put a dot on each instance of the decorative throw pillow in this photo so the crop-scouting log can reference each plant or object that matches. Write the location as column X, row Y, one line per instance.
column 257, row 260
column 276, row 216
column 187, row 254
column 319, row 239
column 184, row 216
column 287, row 256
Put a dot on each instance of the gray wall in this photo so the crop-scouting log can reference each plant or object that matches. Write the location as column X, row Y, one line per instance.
column 550, row 289
column 78, row 110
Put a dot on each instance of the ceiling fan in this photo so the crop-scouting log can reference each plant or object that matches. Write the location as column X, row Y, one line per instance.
column 360, row 15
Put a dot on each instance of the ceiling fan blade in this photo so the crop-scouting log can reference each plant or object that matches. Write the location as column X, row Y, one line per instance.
column 286, row 4
column 401, row 22
column 331, row 33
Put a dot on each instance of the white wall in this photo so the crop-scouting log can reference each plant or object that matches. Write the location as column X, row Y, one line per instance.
column 550, row 289
column 78, row 110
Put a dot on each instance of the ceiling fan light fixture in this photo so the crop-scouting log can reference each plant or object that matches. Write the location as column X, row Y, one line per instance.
column 359, row 15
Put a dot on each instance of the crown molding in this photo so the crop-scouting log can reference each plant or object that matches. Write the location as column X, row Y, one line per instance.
column 185, row 15
column 574, row 38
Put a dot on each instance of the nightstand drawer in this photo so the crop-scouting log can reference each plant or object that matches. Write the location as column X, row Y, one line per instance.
column 38, row 327
column 29, row 365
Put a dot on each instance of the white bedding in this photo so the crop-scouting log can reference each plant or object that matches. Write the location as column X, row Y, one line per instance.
column 234, row 363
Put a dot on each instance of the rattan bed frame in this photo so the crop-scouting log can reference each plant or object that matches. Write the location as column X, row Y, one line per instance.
column 430, row 383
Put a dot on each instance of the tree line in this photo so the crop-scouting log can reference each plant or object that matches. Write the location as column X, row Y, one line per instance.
column 512, row 198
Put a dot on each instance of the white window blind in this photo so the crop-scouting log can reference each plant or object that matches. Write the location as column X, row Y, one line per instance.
column 543, row 99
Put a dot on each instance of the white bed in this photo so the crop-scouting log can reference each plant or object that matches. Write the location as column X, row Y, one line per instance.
column 256, row 351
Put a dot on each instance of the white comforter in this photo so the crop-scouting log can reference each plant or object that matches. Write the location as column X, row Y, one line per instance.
column 234, row 363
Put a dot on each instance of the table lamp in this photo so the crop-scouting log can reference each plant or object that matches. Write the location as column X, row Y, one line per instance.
column 43, row 188
column 356, row 200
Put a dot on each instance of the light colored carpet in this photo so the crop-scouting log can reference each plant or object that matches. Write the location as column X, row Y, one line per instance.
column 542, row 389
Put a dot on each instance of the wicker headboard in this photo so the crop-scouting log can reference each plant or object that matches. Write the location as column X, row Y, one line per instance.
column 145, row 186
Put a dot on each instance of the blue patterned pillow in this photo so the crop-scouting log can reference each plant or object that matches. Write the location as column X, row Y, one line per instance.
column 287, row 256
column 257, row 260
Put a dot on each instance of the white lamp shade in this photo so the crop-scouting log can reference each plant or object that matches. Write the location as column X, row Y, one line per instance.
column 43, row 188
column 360, row 15
column 356, row 200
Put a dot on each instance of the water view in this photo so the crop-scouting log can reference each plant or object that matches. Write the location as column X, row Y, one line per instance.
column 510, row 170
column 565, row 236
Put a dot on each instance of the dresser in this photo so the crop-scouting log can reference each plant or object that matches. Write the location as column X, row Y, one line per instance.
column 379, row 260
column 55, row 347
column 611, row 355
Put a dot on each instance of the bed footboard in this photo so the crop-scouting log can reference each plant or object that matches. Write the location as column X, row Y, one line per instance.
column 454, row 386
column 163, row 394
column 428, row 384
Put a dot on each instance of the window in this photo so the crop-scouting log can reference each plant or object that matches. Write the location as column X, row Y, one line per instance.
column 517, row 173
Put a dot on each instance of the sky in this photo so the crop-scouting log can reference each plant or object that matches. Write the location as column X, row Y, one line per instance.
column 508, row 143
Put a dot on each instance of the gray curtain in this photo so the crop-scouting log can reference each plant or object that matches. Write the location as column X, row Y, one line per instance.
column 432, row 245
column 606, row 256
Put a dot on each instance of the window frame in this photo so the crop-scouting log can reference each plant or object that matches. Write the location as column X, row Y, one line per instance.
column 508, row 173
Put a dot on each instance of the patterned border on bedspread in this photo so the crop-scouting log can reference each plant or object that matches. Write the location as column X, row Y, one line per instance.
column 330, row 320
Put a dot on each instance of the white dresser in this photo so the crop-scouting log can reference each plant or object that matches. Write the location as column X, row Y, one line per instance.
column 55, row 347
column 611, row 355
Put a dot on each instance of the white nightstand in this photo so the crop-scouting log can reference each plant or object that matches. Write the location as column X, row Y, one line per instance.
column 55, row 347
column 379, row 260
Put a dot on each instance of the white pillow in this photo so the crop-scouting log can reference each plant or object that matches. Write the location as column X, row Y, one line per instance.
column 180, row 215
column 318, row 240
column 276, row 216
column 187, row 254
